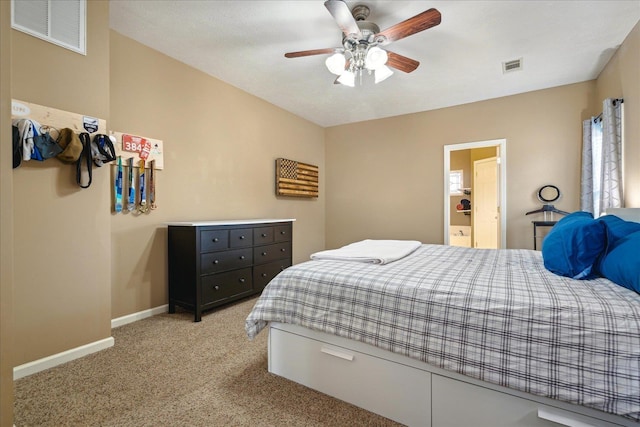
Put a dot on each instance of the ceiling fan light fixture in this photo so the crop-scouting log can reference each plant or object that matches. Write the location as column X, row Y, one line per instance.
column 376, row 58
column 347, row 78
column 335, row 63
column 382, row 73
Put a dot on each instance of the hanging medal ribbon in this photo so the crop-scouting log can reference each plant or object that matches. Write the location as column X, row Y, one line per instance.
column 131, row 201
column 118, row 185
column 152, row 185
column 142, row 207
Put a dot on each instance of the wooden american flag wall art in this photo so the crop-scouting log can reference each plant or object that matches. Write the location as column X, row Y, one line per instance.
column 296, row 179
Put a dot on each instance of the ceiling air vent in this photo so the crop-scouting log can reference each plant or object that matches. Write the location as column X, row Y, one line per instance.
column 513, row 65
column 59, row 22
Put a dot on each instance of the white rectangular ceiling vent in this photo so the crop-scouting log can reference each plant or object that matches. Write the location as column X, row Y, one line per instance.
column 513, row 65
column 59, row 22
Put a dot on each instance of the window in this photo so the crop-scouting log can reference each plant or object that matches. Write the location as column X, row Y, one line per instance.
column 456, row 183
column 602, row 174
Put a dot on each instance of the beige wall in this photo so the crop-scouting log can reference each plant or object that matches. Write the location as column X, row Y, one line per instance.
column 77, row 265
column 61, row 232
column 621, row 79
column 6, row 222
column 220, row 146
column 397, row 192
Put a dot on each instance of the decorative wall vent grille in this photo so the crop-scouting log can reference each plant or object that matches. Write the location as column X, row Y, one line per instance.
column 59, row 22
column 513, row 65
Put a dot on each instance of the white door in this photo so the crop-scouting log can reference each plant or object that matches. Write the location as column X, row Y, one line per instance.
column 485, row 200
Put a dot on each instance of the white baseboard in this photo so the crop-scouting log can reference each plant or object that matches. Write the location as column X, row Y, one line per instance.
column 78, row 352
column 60, row 358
column 130, row 318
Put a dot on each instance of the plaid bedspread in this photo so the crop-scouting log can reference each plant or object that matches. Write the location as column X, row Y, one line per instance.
column 495, row 315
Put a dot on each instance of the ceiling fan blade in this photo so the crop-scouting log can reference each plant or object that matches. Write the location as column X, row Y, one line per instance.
column 343, row 17
column 402, row 63
column 423, row 21
column 311, row 52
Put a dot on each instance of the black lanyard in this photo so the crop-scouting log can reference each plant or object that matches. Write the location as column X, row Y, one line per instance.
column 86, row 154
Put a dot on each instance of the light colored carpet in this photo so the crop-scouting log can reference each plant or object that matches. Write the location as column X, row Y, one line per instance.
column 168, row 370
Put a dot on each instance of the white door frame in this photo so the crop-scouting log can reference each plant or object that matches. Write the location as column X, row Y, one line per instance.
column 502, row 197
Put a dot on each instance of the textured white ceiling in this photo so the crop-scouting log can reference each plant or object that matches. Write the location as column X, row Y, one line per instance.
column 243, row 43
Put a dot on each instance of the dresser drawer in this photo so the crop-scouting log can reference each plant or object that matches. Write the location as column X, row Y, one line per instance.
column 273, row 252
column 282, row 233
column 214, row 262
column 263, row 235
column 221, row 286
column 240, row 238
column 213, row 240
column 262, row 274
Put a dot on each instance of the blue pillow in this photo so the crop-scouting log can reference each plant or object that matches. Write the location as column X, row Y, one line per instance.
column 622, row 264
column 617, row 228
column 573, row 245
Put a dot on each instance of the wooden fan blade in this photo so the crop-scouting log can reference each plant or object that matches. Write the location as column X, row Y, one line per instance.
column 343, row 17
column 400, row 62
column 423, row 21
column 310, row 52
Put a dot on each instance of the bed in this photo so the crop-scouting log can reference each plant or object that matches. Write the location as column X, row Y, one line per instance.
column 458, row 336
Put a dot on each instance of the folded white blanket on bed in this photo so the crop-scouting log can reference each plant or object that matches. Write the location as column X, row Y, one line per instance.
column 371, row 251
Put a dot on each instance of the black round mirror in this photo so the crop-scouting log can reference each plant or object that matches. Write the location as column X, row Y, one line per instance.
column 548, row 193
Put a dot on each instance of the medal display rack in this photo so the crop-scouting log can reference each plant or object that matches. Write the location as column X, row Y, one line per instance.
column 137, row 159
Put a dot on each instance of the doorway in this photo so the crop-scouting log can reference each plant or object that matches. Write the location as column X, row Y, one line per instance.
column 485, row 218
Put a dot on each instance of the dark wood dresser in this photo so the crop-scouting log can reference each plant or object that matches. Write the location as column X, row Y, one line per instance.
column 215, row 262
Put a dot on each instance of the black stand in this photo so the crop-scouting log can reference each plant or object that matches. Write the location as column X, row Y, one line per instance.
column 548, row 222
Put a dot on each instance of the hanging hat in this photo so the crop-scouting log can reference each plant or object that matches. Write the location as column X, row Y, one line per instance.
column 70, row 144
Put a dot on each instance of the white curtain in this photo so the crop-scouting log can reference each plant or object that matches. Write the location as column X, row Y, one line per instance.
column 601, row 177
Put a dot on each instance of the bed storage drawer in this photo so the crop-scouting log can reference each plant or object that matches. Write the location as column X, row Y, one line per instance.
column 480, row 406
column 390, row 389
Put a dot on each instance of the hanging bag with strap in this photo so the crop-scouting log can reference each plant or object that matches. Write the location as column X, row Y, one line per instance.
column 46, row 146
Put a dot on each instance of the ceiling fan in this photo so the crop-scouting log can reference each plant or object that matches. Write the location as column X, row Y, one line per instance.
column 362, row 43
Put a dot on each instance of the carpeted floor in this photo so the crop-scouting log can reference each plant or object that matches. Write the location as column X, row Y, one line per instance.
column 168, row 370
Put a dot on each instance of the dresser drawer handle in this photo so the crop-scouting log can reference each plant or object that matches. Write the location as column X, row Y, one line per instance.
column 264, row 274
column 264, row 254
column 241, row 280
column 283, row 250
column 215, row 240
column 264, row 234
column 215, row 261
column 216, row 287
column 241, row 257
column 241, row 237
column 283, row 232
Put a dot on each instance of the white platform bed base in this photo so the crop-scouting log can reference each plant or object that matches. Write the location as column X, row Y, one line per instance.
column 412, row 392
